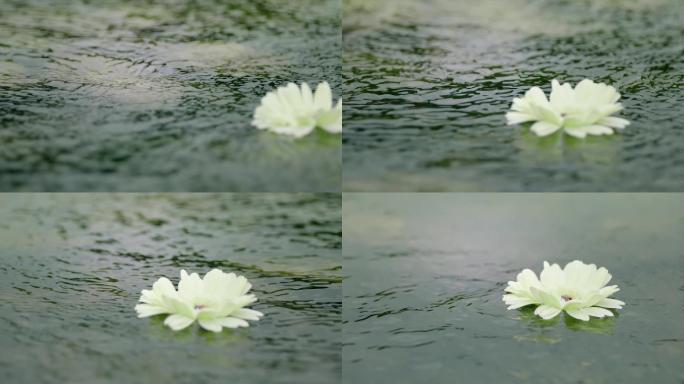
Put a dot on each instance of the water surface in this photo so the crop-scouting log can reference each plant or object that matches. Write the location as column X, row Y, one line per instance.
column 427, row 85
column 72, row 267
column 424, row 276
column 159, row 95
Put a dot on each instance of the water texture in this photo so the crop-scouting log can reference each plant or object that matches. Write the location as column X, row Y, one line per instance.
column 427, row 85
column 72, row 267
column 424, row 277
column 158, row 95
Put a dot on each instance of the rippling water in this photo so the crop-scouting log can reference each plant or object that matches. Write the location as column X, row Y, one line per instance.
column 159, row 95
column 424, row 276
column 72, row 267
column 427, row 85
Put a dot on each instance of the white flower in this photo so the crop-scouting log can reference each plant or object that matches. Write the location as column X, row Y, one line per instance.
column 296, row 111
column 216, row 301
column 579, row 289
column 582, row 111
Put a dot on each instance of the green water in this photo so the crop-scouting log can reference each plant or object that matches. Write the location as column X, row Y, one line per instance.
column 424, row 276
column 72, row 267
column 156, row 95
column 427, row 85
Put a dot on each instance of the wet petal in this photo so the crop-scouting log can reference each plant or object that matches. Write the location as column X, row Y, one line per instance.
column 547, row 312
column 178, row 322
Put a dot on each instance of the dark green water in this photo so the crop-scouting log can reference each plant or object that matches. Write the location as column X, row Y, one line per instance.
column 159, row 95
column 424, row 276
column 427, row 84
column 72, row 267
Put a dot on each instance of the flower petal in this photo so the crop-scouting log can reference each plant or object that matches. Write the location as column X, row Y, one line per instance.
column 547, row 297
column 609, row 290
column 547, row 312
column 598, row 130
column 598, row 312
column 247, row 314
column 610, row 303
column 614, row 122
column 178, row 322
column 542, row 128
column 579, row 314
column 323, row 96
column 513, row 118
column 147, row 310
column 232, row 322
column 212, row 325
column 576, row 132
column 331, row 120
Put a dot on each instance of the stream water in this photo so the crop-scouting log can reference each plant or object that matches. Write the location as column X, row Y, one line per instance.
column 427, row 85
column 158, row 95
column 424, row 277
column 72, row 267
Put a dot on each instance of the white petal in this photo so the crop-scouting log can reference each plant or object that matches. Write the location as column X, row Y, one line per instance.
column 536, row 95
column 323, row 96
column 232, row 322
column 247, row 314
column 598, row 130
column 609, row 290
column 598, row 312
column 546, row 312
column 561, row 95
column 178, row 322
column 307, row 95
column 614, row 122
column 552, row 275
column 610, row 303
column 212, row 325
column 580, row 314
column 298, row 131
column 542, row 128
column 513, row 118
column 547, row 297
column 146, row 310
column 576, row 132
column 245, row 300
column 163, row 285
column 331, row 121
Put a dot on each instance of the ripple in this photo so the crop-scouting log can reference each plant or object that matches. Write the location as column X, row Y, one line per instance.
column 430, row 82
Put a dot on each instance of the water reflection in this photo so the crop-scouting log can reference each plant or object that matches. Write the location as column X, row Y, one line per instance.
column 594, row 325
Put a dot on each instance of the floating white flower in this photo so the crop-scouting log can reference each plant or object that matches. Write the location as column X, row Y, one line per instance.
column 215, row 301
column 579, row 289
column 296, row 111
column 584, row 110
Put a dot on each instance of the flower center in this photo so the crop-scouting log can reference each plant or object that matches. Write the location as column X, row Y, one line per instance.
column 199, row 306
column 566, row 298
